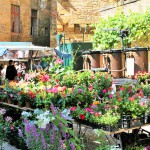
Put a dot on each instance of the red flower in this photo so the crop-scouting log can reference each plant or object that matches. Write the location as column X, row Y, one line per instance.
column 131, row 99
column 90, row 87
column 57, row 80
column 122, row 89
column 119, row 99
column 82, row 117
column 96, row 114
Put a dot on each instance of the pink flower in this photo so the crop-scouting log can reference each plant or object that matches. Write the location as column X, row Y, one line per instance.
column 141, row 103
column 59, row 61
column 130, row 91
column 8, row 119
column 110, row 96
column 45, row 78
column 27, row 77
column 19, row 93
column 12, row 128
column 54, row 90
column 73, row 108
column 104, row 91
column 64, row 88
column 2, row 111
column 11, row 95
column 88, row 110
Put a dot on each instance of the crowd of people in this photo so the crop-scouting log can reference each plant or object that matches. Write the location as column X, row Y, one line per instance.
column 13, row 71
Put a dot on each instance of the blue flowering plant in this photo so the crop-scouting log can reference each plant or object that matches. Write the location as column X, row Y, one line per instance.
column 49, row 130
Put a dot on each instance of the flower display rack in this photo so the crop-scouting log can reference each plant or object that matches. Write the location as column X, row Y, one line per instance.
column 127, row 121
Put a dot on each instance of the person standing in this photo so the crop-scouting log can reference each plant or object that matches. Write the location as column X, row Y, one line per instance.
column 11, row 72
column 3, row 72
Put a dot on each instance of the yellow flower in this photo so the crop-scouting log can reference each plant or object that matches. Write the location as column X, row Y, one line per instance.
column 96, row 102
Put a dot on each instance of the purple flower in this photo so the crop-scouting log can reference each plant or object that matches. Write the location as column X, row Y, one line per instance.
column 72, row 146
column 35, row 132
column 53, row 109
column 52, row 138
column 61, row 145
column 27, row 141
column 79, row 90
column 43, row 142
column 20, row 133
column 47, row 129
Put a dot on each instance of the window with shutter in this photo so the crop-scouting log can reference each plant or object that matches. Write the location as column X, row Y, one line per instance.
column 15, row 18
column 34, row 23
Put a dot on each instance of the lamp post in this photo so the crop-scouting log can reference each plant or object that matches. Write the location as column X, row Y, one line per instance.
column 83, row 31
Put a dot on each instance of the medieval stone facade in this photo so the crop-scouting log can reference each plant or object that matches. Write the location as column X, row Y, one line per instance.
column 25, row 20
column 71, row 16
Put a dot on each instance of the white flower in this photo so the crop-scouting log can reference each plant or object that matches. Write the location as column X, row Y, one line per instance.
column 26, row 114
column 66, row 114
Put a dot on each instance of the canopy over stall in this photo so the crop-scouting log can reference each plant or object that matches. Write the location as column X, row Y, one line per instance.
column 22, row 51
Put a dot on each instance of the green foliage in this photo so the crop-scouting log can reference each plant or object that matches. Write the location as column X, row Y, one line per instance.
column 101, row 136
column 137, row 23
column 110, row 118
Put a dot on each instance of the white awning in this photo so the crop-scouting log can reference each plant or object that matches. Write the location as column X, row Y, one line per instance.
column 26, row 47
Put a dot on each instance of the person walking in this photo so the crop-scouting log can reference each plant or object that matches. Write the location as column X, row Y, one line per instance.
column 11, row 72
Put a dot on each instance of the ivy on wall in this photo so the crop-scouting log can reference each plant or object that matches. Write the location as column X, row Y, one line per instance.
column 106, row 33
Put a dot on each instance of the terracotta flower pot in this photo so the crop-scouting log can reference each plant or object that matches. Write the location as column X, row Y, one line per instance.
column 19, row 105
column 28, row 104
column 9, row 101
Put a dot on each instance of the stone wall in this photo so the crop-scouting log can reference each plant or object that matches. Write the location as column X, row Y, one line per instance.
column 25, row 22
column 71, row 13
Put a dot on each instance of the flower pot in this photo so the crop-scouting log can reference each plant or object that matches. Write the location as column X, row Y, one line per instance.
column 9, row 101
column 141, row 60
column 19, row 105
column 116, row 64
column 94, row 61
column 28, row 105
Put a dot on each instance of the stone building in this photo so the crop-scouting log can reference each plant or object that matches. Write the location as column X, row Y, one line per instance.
column 74, row 17
column 25, row 20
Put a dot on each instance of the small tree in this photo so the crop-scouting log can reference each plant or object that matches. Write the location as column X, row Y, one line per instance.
column 137, row 23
